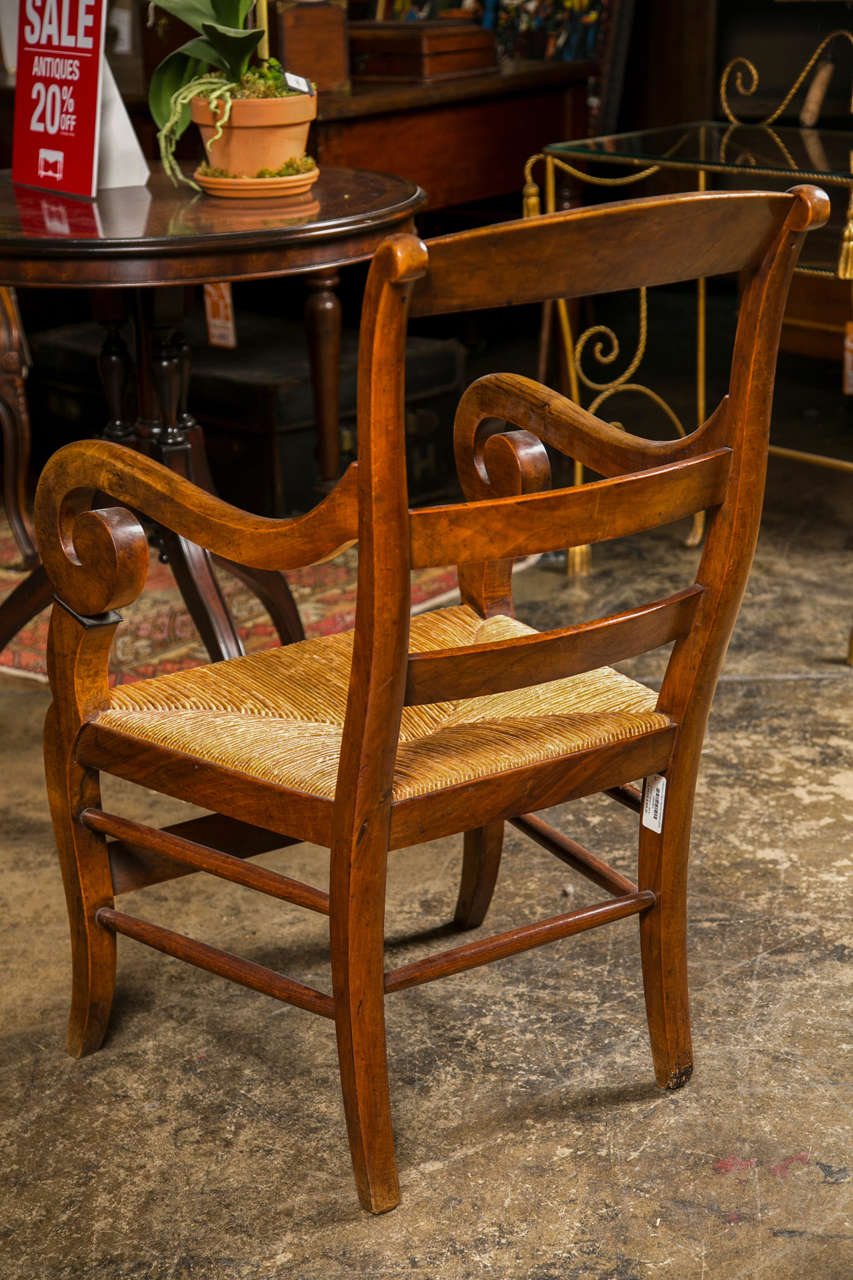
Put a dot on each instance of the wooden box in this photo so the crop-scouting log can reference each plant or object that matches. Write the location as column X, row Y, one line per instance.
column 309, row 38
column 419, row 51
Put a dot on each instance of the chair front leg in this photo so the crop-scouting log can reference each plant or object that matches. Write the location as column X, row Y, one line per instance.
column 356, row 926
column 78, row 660
column 481, row 860
column 88, row 886
column 663, row 935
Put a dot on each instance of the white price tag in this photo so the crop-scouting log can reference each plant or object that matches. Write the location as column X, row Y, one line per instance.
column 297, row 82
column 654, row 797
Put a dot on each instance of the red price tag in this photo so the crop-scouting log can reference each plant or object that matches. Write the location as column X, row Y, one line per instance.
column 58, row 94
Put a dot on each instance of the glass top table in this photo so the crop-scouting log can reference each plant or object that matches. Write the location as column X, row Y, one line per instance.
column 739, row 156
column 742, row 153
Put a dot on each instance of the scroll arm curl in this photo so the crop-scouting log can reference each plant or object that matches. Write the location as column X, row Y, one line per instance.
column 499, row 463
column 101, row 559
column 495, row 463
column 98, row 559
column 559, row 422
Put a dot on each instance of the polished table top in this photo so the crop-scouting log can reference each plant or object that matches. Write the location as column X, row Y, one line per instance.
column 746, row 154
column 160, row 234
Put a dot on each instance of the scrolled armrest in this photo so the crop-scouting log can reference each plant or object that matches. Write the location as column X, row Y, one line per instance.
column 564, row 425
column 98, row 559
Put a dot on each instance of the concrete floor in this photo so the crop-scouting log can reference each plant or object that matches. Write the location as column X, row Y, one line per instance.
column 206, row 1139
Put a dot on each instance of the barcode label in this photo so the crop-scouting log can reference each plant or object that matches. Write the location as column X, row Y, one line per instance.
column 297, row 82
column 653, row 802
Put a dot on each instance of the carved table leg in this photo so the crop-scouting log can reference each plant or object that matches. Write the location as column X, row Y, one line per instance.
column 32, row 594
column 272, row 590
column 188, row 424
column 15, row 424
column 175, row 439
column 167, row 442
column 323, row 330
column 110, row 311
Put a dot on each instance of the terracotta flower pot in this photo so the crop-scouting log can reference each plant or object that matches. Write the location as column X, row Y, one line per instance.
column 261, row 133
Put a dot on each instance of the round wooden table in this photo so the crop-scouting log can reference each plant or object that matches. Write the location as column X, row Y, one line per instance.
column 136, row 248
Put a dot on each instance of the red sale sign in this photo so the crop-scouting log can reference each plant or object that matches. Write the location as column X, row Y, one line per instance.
column 58, row 94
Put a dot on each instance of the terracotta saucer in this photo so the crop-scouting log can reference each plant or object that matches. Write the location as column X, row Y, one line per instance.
column 257, row 188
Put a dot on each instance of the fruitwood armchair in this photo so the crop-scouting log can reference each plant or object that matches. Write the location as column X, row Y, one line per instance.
column 456, row 721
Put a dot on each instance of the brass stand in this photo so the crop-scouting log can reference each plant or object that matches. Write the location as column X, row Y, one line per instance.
column 578, row 558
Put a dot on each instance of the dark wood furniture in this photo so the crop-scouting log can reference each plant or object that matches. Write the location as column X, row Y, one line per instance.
column 366, row 742
column 15, row 426
column 461, row 140
column 137, row 247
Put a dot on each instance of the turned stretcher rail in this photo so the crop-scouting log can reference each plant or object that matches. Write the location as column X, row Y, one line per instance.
column 248, row 974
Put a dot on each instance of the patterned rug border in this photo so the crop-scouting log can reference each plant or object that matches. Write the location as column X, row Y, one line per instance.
column 157, row 635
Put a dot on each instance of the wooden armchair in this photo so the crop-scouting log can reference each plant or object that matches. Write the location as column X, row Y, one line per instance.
column 455, row 721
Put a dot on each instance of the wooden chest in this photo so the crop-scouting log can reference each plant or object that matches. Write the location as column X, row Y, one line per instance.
column 309, row 38
column 419, row 51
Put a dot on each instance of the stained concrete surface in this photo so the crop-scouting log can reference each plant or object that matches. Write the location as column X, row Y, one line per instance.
column 206, row 1139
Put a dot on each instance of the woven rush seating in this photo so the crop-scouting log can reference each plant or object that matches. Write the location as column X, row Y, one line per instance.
column 451, row 723
column 279, row 715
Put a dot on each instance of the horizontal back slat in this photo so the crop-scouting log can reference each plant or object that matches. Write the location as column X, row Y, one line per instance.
column 599, row 250
column 448, row 674
column 501, row 528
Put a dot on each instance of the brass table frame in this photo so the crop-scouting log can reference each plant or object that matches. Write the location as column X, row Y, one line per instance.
column 574, row 348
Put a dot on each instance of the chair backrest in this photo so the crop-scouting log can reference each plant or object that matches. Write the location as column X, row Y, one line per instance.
column 719, row 468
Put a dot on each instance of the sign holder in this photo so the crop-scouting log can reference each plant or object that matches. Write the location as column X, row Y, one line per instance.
column 72, row 133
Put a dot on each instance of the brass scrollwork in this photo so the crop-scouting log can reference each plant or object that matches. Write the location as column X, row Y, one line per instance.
column 594, row 338
column 737, row 65
column 597, row 335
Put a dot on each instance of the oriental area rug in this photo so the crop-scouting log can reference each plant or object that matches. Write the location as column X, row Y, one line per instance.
column 157, row 635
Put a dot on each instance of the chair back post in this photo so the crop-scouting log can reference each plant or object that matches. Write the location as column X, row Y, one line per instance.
column 362, row 810
column 693, row 669
column 692, row 673
column 383, row 600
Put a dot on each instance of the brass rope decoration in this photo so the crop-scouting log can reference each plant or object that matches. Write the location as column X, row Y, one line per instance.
column 748, row 160
column 575, row 349
column 745, row 92
column 845, row 258
column 578, row 557
column 531, row 190
column 600, row 331
column 638, row 387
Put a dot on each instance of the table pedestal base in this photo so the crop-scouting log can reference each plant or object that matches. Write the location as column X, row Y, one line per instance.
column 166, row 431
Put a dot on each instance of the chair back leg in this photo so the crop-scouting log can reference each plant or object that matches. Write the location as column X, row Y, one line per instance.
column 662, row 867
column 356, row 929
column 481, row 860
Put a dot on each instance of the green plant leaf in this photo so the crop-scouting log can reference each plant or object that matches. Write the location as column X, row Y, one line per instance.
column 236, row 47
column 231, row 13
column 192, row 12
column 202, row 50
column 178, row 69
